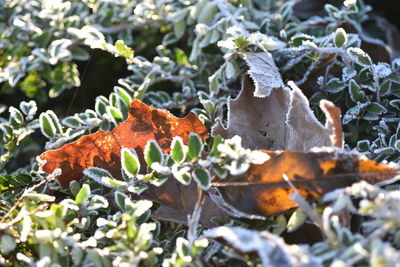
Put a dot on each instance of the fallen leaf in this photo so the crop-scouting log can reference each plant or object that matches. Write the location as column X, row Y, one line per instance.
column 271, row 249
column 283, row 120
column 178, row 201
column 264, row 73
column 102, row 149
column 264, row 191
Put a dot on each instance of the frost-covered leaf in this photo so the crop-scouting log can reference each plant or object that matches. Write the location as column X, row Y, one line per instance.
column 195, row 146
column 152, row 153
column 130, row 162
column 178, row 149
column 283, row 120
column 264, row 73
column 271, row 249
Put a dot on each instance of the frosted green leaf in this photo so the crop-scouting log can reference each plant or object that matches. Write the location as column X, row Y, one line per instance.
column 40, row 197
column 178, row 152
column 359, row 56
column 195, row 146
column 202, row 177
column 130, row 162
column 16, row 117
column 114, row 113
column 340, row 37
column 120, row 199
column 100, row 105
column 28, row 108
column 83, row 195
column 207, row 13
column 213, row 84
column 182, row 174
column 356, row 93
column 123, row 49
column 152, row 153
column 74, row 187
column 47, row 126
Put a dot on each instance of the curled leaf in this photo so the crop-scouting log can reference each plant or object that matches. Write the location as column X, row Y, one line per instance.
column 283, row 120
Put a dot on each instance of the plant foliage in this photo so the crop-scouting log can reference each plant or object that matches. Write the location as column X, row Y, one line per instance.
column 192, row 56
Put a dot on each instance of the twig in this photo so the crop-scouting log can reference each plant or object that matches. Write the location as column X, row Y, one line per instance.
column 193, row 220
column 4, row 226
column 50, row 177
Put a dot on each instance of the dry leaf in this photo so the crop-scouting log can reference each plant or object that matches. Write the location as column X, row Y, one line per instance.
column 282, row 121
column 178, row 201
column 271, row 249
column 264, row 73
column 102, row 149
column 263, row 190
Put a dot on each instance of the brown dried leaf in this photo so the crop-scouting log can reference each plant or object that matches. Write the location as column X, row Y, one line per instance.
column 102, row 149
column 264, row 73
column 263, row 190
column 283, row 120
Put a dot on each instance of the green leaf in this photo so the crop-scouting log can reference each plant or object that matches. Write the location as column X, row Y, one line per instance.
column 101, row 105
column 214, row 149
column 114, row 114
column 74, row 187
column 334, row 85
column 16, row 117
column 130, row 162
column 202, row 177
column 296, row 220
column 72, row 122
column 397, row 145
column 359, row 56
column 213, row 84
column 47, row 126
column 83, row 195
column 28, row 108
column 152, row 153
column 79, row 53
column 356, row 93
column 280, row 225
column 178, row 149
column 207, row 14
column 40, row 197
column 340, row 37
column 376, row 108
column 195, row 146
column 113, row 183
column 363, row 145
column 182, row 174
column 123, row 49
column 120, row 199
column 182, row 247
